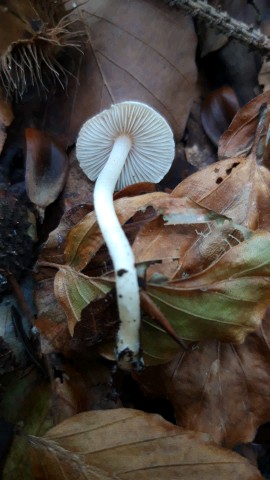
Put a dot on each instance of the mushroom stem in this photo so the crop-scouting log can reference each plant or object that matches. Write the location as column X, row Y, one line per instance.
column 127, row 288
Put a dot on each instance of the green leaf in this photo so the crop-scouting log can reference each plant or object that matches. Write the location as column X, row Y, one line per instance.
column 226, row 301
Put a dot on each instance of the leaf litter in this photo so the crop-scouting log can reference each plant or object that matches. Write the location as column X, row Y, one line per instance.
column 201, row 252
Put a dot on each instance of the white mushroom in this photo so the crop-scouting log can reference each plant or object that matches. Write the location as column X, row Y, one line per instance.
column 126, row 144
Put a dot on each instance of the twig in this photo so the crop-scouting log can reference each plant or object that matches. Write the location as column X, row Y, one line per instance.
column 220, row 20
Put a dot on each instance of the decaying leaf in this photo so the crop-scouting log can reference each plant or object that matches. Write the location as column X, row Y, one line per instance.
column 129, row 444
column 87, row 387
column 225, row 301
column 138, row 51
column 85, row 238
column 74, row 291
column 239, row 138
column 235, row 187
column 219, row 388
column 218, row 110
column 46, row 168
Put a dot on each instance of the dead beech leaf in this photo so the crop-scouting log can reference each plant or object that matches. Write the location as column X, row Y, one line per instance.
column 219, row 388
column 225, row 301
column 46, row 168
column 87, row 388
column 132, row 58
column 74, row 291
column 218, row 110
column 129, row 444
column 85, row 238
column 14, row 24
column 235, row 187
column 51, row 321
column 239, row 137
column 238, row 187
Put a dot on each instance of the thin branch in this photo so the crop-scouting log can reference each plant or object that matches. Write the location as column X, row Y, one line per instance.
column 220, row 20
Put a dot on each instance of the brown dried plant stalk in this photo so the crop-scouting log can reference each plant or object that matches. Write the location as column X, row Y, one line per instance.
column 220, row 20
column 34, row 59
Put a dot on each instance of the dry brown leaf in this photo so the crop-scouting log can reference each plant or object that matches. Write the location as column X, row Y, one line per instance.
column 238, row 187
column 89, row 387
column 219, row 388
column 75, row 291
column 239, row 137
column 78, row 188
column 129, row 444
column 138, row 51
column 85, row 239
column 45, row 170
column 235, row 187
column 51, row 322
column 218, row 110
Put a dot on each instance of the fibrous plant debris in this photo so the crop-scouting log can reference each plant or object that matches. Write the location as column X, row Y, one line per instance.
column 32, row 36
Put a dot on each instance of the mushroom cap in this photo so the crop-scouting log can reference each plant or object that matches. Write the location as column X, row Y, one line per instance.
column 152, row 150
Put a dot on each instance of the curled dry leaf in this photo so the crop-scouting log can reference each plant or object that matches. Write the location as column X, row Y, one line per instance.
column 74, row 291
column 219, row 388
column 238, row 139
column 239, row 186
column 46, row 168
column 129, row 444
column 218, row 110
column 85, row 238
column 225, row 301
column 236, row 187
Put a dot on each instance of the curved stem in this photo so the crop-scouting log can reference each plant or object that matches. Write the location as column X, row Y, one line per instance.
column 127, row 288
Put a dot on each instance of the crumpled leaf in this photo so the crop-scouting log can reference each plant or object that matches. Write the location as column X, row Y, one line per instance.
column 220, row 301
column 219, row 388
column 129, row 444
column 85, row 238
column 218, row 110
column 239, row 137
column 235, row 187
column 74, row 291
column 46, row 168
column 225, row 301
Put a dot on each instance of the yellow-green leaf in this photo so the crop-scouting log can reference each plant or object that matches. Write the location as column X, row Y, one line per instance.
column 226, row 301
